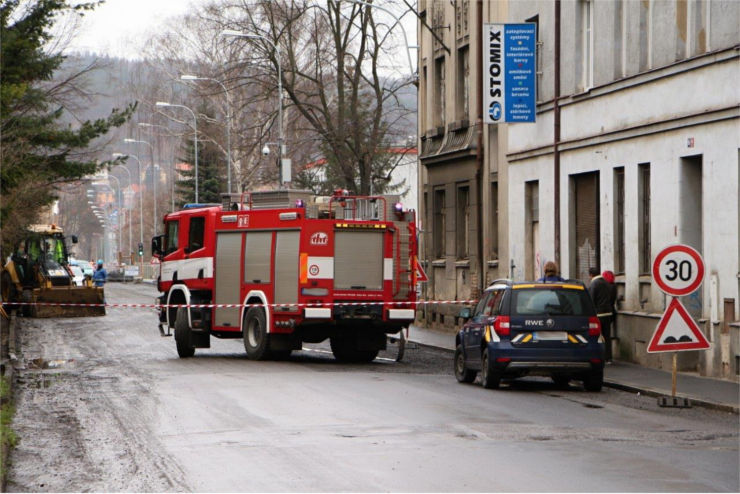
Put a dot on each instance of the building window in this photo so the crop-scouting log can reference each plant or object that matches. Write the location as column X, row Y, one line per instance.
column 494, row 221
column 439, row 92
column 645, row 35
column 619, row 220
column 423, row 99
column 439, row 228
column 538, row 56
column 587, row 45
column 462, row 89
column 643, row 184
column 462, row 226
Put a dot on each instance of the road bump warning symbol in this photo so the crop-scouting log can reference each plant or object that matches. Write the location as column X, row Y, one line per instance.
column 419, row 273
column 677, row 331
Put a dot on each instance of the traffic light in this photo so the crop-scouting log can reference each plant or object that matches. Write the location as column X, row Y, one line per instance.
column 141, row 249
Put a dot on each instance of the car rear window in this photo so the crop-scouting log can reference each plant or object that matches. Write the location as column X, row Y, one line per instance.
column 551, row 301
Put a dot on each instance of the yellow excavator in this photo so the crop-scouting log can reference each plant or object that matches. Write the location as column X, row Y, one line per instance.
column 38, row 274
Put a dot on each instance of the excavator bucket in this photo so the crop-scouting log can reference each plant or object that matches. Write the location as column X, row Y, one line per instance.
column 85, row 301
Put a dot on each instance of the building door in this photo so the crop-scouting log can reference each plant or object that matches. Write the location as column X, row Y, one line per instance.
column 585, row 187
column 690, row 219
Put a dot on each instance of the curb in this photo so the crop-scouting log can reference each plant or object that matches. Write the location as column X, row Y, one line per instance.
column 631, row 388
column 9, row 372
column 723, row 407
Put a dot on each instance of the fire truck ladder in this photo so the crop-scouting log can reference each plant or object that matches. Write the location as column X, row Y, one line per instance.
column 403, row 276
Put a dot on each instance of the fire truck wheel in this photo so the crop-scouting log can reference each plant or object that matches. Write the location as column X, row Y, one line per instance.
column 183, row 336
column 255, row 334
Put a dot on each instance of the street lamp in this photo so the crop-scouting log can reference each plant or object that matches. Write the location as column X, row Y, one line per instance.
column 154, row 177
column 172, row 174
column 129, row 211
column 276, row 47
column 195, row 128
column 141, row 204
column 120, row 227
column 188, row 77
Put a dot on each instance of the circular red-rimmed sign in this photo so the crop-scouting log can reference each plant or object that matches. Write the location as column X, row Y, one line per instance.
column 678, row 270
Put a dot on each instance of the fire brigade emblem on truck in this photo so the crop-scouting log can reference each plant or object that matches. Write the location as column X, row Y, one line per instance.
column 319, row 238
column 313, row 270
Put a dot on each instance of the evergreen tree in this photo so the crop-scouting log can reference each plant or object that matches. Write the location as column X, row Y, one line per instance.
column 210, row 178
column 39, row 151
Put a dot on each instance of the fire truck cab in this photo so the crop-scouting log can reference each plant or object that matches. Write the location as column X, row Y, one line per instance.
column 281, row 268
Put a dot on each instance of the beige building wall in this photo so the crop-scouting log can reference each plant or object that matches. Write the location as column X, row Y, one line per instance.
column 463, row 193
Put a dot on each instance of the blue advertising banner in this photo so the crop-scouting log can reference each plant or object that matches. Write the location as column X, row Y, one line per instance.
column 509, row 72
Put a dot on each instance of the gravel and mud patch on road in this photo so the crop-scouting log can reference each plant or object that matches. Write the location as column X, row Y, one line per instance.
column 72, row 433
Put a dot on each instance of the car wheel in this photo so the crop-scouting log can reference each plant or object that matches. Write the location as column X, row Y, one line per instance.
column 255, row 334
column 183, row 335
column 561, row 381
column 594, row 381
column 462, row 373
column 490, row 378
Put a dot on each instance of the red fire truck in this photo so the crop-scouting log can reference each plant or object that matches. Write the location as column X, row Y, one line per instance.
column 281, row 268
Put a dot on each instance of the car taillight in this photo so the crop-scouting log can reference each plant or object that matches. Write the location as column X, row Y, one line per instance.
column 501, row 326
column 594, row 326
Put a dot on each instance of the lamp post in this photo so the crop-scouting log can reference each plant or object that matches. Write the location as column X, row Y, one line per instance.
column 129, row 211
column 188, row 77
column 172, row 176
column 195, row 135
column 276, row 47
column 141, row 204
column 119, row 211
column 154, row 177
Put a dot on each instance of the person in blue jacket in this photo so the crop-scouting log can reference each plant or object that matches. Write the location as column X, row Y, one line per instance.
column 100, row 276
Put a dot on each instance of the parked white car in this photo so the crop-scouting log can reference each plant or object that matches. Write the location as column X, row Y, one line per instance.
column 79, row 275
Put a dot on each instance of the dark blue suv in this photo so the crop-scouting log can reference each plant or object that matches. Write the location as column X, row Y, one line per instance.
column 531, row 328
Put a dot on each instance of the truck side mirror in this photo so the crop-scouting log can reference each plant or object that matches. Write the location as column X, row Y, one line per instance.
column 157, row 246
column 74, row 239
column 464, row 313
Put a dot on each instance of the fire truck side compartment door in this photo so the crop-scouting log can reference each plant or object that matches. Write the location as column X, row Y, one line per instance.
column 228, row 270
column 358, row 260
column 286, row 268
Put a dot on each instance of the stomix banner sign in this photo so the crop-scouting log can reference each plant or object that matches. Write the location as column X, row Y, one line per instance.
column 509, row 72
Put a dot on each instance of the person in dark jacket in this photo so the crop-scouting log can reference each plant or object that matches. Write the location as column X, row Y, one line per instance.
column 551, row 272
column 603, row 292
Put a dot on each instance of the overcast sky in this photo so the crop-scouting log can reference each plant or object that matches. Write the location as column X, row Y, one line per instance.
column 120, row 27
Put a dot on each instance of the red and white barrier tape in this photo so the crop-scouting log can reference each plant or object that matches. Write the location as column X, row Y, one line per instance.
column 210, row 306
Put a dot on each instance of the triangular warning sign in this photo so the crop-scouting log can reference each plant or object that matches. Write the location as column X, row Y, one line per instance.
column 419, row 273
column 677, row 331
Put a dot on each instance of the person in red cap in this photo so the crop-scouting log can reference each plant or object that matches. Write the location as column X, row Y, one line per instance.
column 603, row 292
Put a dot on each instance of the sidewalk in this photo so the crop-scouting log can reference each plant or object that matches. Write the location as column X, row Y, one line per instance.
column 701, row 391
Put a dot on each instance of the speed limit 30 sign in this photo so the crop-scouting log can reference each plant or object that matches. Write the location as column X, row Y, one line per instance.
column 678, row 270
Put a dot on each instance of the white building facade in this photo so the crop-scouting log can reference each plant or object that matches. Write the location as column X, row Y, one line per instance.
column 648, row 157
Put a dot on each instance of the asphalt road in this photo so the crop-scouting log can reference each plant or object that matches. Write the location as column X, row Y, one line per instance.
column 105, row 404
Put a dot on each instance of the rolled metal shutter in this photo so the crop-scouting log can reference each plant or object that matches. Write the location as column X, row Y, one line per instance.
column 358, row 260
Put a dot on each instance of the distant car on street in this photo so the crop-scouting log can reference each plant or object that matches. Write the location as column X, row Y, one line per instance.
column 87, row 267
column 530, row 328
column 79, row 275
